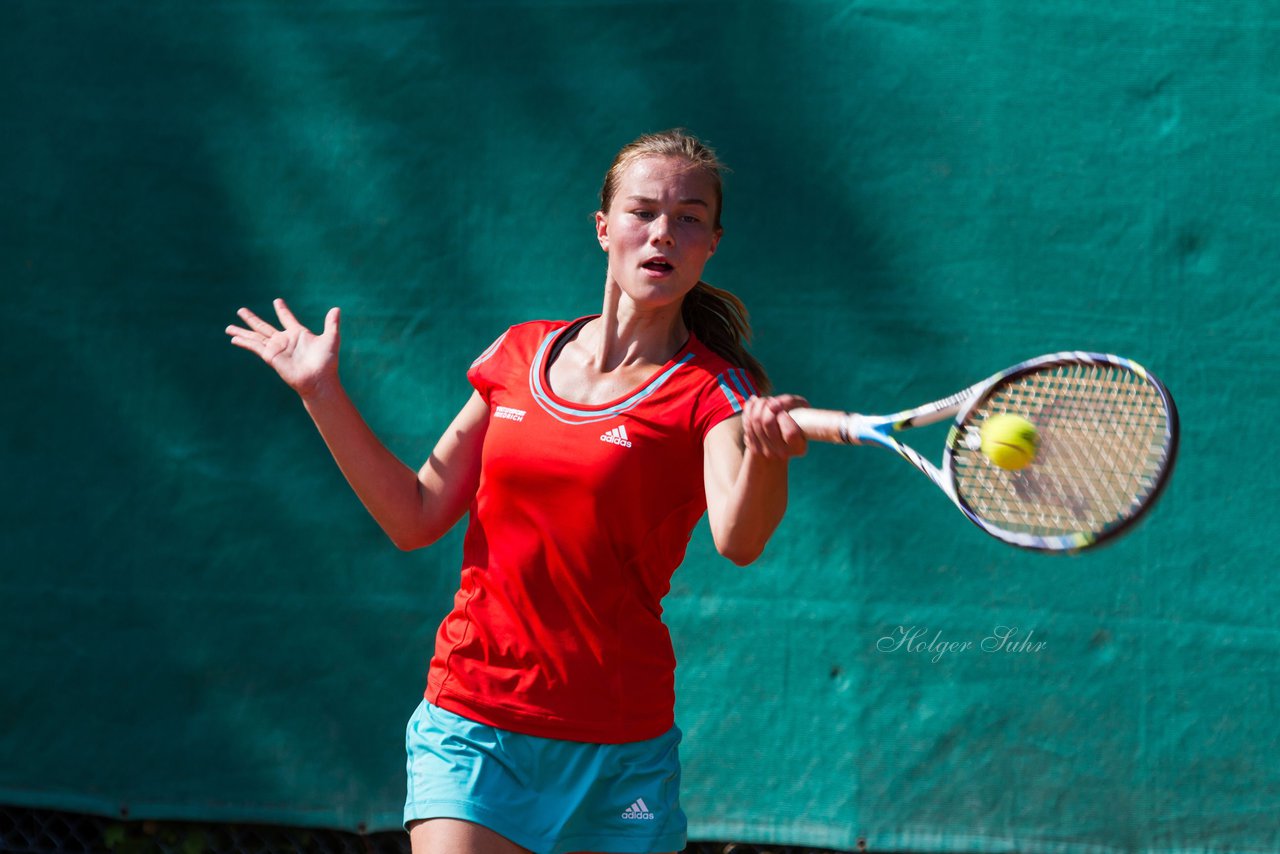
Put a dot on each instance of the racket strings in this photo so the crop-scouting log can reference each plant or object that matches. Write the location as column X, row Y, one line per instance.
column 1103, row 433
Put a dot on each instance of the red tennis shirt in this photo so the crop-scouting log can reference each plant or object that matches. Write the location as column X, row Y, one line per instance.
column 582, row 515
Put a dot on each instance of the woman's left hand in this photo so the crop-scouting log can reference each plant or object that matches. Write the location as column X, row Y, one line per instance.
column 767, row 429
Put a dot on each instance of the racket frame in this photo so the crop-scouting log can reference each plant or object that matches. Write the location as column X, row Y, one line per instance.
column 856, row 429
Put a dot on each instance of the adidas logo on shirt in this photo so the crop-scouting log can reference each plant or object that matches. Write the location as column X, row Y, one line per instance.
column 638, row 812
column 617, row 436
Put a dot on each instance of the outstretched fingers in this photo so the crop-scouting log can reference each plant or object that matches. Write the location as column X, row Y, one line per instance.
column 287, row 320
column 301, row 358
column 245, row 338
column 257, row 324
column 253, row 335
column 332, row 321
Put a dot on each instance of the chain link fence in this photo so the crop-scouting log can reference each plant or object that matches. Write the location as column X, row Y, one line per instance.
column 31, row 831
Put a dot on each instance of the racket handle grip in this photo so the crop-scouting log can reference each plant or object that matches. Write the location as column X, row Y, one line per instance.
column 828, row 425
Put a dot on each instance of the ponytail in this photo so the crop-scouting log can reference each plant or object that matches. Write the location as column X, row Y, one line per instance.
column 720, row 321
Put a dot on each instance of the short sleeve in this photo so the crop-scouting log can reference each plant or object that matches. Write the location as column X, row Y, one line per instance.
column 483, row 372
column 723, row 397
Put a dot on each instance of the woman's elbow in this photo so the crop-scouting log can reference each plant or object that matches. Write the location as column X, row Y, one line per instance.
column 743, row 558
column 740, row 550
column 424, row 528
column 412, row 539
column 407, row 543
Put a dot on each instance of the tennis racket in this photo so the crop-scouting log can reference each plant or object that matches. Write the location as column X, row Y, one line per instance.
column 1108, row 432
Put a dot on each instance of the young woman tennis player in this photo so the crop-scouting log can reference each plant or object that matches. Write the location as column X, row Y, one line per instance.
column 586, row 455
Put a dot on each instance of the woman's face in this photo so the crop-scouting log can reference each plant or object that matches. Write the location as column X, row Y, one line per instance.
column 659, row 230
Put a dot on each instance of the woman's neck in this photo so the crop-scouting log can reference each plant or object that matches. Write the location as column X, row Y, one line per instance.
column 625, row 335
column 611, row 355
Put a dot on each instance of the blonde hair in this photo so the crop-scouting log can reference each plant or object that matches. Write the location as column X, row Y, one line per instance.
column 715, row 315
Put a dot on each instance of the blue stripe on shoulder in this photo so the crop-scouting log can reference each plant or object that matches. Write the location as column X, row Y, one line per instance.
column 741, row 382
column 729, row 393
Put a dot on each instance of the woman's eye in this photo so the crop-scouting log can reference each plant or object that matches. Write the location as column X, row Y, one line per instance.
column 643, row 214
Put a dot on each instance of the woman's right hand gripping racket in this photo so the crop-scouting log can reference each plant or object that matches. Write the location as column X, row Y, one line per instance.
column 1108, row 436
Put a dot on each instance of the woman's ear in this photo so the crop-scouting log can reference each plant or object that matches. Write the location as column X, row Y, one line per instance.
column 715, row 240
column 602, row 230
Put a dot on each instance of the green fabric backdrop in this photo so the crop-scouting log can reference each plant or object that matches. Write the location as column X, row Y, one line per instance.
column 198, row 620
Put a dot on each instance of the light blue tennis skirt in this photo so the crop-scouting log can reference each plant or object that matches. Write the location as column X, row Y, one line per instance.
column 547, row 795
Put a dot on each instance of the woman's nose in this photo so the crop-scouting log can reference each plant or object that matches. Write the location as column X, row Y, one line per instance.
column 661, row 232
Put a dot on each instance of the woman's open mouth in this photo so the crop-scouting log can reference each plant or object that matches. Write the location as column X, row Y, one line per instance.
column 658, row 265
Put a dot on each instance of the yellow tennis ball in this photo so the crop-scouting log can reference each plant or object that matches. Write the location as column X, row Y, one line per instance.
column 1009, row 441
